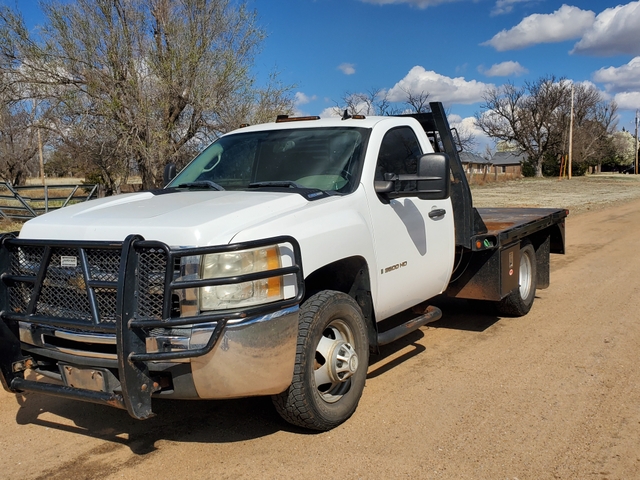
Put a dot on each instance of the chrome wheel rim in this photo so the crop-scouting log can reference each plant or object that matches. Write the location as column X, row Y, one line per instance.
column 336, row 361
column 525, row 276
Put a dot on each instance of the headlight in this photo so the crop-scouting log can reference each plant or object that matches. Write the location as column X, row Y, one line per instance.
column 231, row 264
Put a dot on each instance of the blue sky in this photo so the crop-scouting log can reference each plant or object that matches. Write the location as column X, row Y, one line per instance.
column 452, row 49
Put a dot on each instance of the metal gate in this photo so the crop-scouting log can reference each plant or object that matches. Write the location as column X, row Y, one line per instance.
column 29, row 201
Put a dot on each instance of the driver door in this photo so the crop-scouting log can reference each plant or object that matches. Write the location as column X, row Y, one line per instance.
column 413, row 238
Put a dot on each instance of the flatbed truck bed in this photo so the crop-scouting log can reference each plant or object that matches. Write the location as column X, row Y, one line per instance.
column 508, row 225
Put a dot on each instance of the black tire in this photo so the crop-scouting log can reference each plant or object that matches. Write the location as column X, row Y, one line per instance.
column 519, row 302
column 325, row 391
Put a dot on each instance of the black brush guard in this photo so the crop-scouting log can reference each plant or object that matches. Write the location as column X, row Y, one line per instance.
column 128, row 289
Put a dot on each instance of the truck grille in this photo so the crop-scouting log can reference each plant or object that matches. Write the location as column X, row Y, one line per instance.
column 60, row 282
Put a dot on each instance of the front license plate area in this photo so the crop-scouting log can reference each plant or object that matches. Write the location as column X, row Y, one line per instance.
column 95, row 379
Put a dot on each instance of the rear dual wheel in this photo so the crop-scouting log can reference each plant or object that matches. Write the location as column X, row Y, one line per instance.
column 519, row 302
column 332, row 357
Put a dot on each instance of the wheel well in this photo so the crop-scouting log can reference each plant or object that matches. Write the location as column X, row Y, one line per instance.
column 348, row 275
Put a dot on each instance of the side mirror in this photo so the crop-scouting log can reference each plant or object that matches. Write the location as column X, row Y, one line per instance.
column 169, row 173
column 432, row 181
column 433, row 176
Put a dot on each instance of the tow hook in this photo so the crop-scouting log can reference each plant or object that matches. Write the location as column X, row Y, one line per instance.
column 22, row 365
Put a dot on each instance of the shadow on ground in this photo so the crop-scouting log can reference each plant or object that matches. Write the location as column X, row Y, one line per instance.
column 467, row 315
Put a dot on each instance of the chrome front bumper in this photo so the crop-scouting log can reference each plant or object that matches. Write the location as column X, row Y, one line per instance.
column 252, row 357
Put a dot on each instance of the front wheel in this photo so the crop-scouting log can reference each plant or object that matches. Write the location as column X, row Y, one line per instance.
column 519, row 302
column 332, row 357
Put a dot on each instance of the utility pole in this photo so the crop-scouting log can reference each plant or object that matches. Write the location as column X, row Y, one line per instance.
column 636, row 166
column 41, row 157
column 571, row 134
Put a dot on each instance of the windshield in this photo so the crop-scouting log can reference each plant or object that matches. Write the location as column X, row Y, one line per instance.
column 327, row 159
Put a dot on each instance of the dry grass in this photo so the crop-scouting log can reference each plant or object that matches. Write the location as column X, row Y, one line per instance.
column 580, row 194
column 55, row 181
column 7, row 225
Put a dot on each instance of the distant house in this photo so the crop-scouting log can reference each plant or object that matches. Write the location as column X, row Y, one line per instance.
column 474, row 164
column 507, row 163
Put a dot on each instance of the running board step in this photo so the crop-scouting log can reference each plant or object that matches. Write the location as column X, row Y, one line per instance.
column 431, row 314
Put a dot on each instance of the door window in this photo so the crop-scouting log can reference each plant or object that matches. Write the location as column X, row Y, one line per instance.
column 399, row 154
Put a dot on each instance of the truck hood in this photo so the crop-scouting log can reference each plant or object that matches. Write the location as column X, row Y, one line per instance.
column 178, row 218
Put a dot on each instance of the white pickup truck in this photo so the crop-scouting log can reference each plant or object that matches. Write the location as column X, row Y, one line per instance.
column 271, row 265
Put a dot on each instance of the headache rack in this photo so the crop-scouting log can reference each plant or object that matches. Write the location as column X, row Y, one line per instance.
column 468, row 223
column 122, row 288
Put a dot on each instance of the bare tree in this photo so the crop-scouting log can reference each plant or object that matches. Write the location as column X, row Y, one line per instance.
column 526, row 117
column 594, row 122
column 256, row 105
column 18, row 145
column 418, row 102
column 374, row 101
column 156, row 76
column 535, row 120
column 464, row 137
column 19, row 134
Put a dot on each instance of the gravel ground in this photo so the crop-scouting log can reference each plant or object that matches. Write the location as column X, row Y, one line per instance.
column 552, row 395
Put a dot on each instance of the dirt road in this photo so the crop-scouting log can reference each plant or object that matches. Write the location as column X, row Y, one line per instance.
column 555, row 394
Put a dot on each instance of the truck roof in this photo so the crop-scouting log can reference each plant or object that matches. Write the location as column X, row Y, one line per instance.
column 315, row 122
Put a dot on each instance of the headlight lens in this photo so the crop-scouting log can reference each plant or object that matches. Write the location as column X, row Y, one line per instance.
column 230, row 264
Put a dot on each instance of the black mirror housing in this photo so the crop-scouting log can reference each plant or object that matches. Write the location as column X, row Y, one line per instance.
column 434, row 169
column 432, row 182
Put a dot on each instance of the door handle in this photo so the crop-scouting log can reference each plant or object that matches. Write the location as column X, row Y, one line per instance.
column 437, row 213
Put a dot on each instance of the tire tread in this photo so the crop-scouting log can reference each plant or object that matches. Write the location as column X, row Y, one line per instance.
column 293, row 404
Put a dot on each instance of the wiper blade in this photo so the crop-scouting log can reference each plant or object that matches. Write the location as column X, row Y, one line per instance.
column 278, row 183
column 201, row 184
column 307, row 192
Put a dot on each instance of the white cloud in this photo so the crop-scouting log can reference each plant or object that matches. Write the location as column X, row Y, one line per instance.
column 606, row 96
column 303, row 99
column 413, row 3
column 564, row 24
column 329, row 112
column 623, row 83
column 620, row 79
column 504, row 69
column 615, row 31
column 467, row 126
column 347, row 68
column 443, row 89
column 628, row 100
